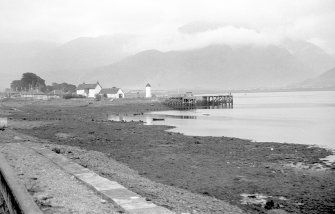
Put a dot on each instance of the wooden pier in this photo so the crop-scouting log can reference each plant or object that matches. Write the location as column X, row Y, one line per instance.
column 190, row 101
column 225, row 101
column 182, row 102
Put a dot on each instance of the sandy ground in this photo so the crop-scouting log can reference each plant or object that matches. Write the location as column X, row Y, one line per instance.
column 257, row 177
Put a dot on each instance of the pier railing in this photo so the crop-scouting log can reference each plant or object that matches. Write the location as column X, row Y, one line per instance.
column 14, row 194
column 225, row 101
column 187, row 101
column 181, row 102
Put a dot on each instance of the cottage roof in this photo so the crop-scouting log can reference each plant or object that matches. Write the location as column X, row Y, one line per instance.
column 113, row 90
column 87, row 86
column 148, row 85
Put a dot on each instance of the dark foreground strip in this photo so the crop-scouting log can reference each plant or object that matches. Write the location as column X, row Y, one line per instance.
column 111, row 190
column 15, row 194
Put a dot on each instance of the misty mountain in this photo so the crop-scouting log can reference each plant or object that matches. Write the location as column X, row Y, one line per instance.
column 310, row 55
column 86, row 52
column 57, row 62
column 325, row 80
column 215, row 67
column 16, row 59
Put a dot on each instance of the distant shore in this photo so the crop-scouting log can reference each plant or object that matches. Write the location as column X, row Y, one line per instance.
column 256, row 90
column 291, row 177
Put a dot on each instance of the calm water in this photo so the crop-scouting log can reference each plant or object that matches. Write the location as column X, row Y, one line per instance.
column 292, row 117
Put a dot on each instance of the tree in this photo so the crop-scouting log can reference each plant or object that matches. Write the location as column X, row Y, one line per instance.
column 68, row 87
column 16, row 85
column 65, row 87
column 49, row 88
column 32, row 81
column 98, row 97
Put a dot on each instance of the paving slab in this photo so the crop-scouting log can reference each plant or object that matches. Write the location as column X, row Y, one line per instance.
column 121, row 193
column 152, row 210
column 134, row 204
column 75, row 168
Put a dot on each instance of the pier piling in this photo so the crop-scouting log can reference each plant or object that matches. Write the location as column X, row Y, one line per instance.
column 190, row 101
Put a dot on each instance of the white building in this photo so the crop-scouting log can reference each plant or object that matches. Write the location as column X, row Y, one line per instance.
column 89, row 90
column 148, row 91
column 114, row 93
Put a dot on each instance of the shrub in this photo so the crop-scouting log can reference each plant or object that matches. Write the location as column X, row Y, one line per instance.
column 98, row 97
column 70, row 96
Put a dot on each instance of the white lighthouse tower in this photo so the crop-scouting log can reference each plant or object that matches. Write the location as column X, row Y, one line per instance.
column 148, row 91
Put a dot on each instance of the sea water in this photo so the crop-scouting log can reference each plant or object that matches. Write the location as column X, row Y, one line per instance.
column 291, row 117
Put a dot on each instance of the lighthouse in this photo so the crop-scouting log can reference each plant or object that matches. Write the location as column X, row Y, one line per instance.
column 148, row 91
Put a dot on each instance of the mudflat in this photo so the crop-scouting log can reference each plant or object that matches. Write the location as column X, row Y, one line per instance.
column 256, row 177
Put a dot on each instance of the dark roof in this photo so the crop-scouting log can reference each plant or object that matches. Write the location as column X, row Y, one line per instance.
column 113, row 90
column 148, row 85
column 86, row 86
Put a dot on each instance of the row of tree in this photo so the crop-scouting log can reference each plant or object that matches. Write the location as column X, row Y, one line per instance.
column 31, row 81
column 65, row 87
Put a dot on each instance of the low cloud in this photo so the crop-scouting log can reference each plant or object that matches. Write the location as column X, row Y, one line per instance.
column 227, row 35
column 235, row 21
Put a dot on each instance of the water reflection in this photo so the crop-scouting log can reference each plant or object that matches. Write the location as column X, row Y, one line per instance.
column 147, row 119
column 292, row 117
column 215, row 107
column 122, row 117
column 181, row 116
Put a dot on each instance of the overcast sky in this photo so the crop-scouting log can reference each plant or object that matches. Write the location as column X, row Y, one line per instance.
column 157, row 21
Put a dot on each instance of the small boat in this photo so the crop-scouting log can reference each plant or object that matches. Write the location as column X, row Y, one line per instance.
column 158, row 119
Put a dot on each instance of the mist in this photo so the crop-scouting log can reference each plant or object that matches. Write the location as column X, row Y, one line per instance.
column 73, row 37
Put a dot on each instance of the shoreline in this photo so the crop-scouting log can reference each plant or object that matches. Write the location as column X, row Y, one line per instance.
column 218, row 167
column 329, row 160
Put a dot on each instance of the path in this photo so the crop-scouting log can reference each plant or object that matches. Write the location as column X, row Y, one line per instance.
column 61, row 186
column 54, row 190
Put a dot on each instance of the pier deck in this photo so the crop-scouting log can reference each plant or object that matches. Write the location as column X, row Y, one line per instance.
column 226, row 101
column 182, row 102
column 190, row 101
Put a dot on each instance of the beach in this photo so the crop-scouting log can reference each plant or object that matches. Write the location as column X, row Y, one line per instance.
column 254, row 176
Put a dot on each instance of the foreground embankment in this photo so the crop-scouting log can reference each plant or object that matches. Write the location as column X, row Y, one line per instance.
column 257, row 177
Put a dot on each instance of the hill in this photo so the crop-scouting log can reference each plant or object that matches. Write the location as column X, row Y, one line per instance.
column 108, row 59
column 325, row 80
column 215, row 67
column 59, row 62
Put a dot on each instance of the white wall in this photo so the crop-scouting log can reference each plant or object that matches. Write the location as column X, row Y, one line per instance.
column 117, row 95
column 147, row 92
column 93, row 92
column 81, row 92
column 120, row 92
column 114, row 96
